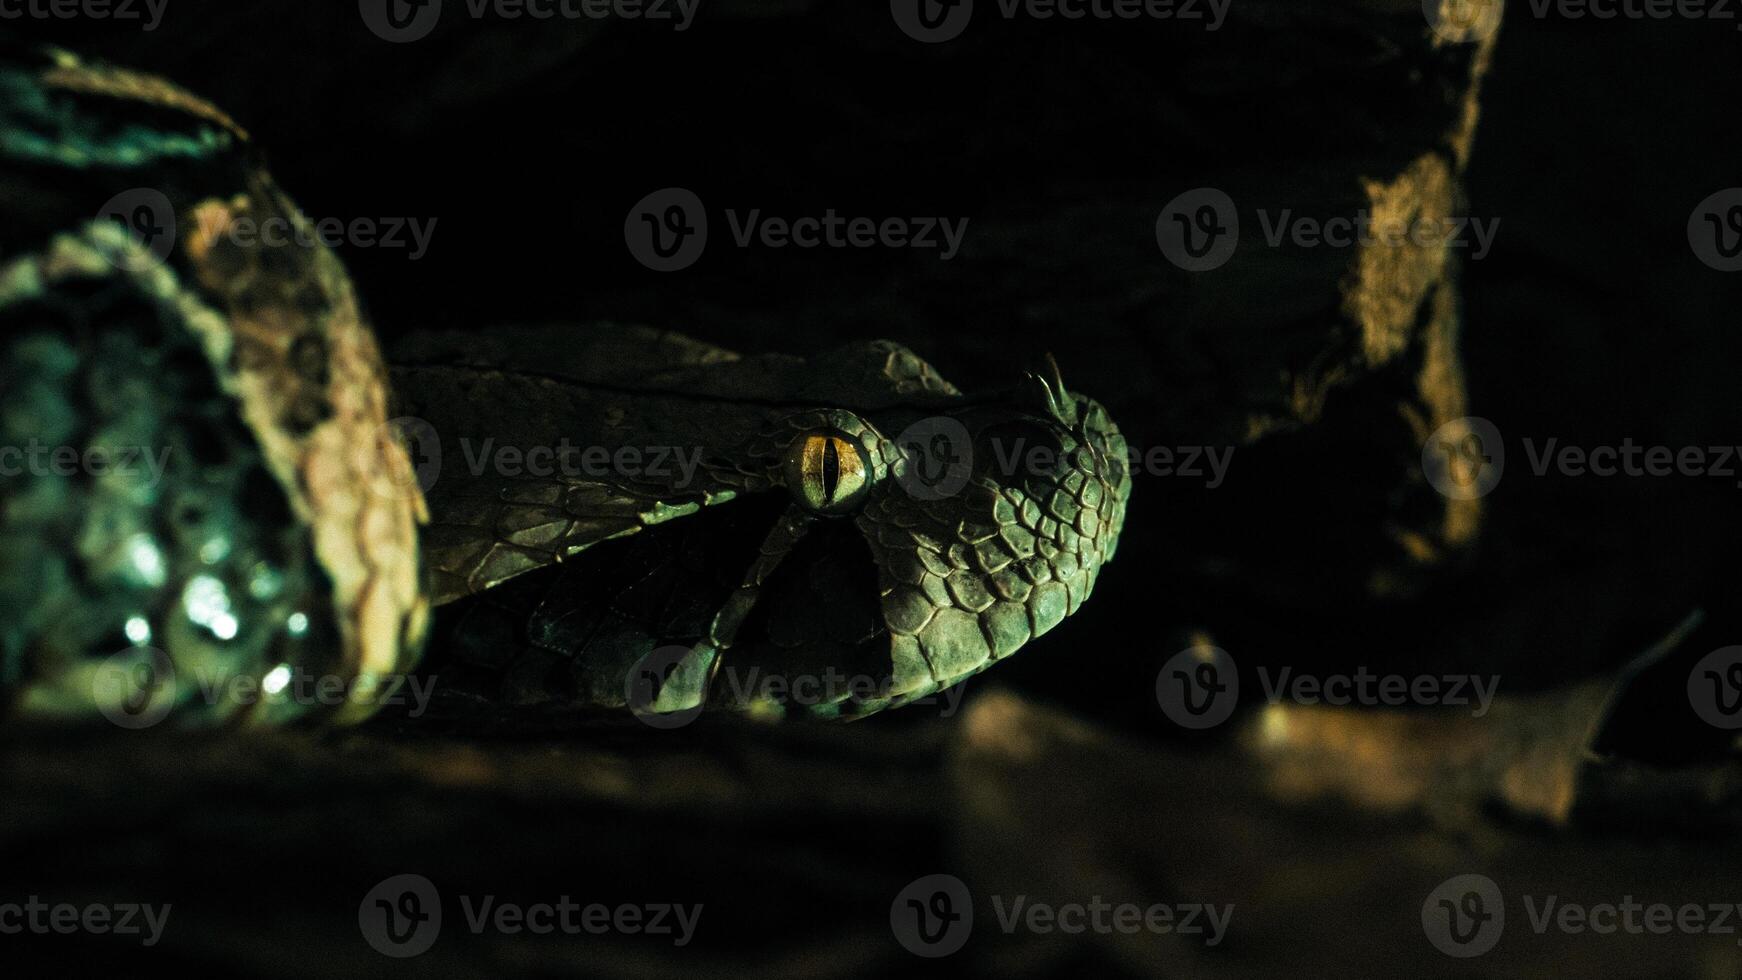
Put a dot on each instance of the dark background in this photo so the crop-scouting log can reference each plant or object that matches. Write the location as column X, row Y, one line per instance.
column 1591, row 321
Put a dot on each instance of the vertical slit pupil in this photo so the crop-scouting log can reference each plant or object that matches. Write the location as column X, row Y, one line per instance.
column 831, row 468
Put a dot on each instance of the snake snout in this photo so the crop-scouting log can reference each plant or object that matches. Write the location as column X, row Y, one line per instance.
column 970, row 577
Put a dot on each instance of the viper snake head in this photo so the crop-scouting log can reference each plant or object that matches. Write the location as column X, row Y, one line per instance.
column 923, row 543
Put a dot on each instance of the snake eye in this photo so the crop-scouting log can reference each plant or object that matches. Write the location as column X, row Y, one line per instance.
column 826, row 472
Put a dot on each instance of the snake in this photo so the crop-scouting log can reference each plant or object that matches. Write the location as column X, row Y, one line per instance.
column 218, row 485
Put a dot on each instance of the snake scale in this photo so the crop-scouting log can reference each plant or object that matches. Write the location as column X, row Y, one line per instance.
column 214, row 484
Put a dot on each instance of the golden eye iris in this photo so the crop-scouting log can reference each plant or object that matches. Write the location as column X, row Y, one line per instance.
column 826, row 472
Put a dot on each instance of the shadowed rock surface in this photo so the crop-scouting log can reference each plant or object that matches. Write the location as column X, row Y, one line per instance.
column 797, row 839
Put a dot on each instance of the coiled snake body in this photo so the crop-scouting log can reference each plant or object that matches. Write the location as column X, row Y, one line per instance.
column 722, row 526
